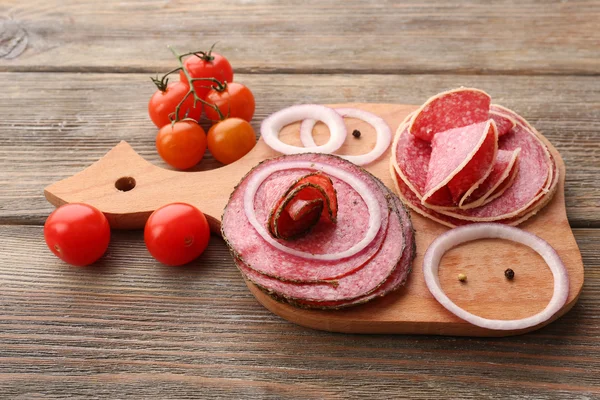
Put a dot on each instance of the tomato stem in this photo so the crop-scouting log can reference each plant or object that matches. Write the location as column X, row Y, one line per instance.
column 162, row 83
column 209, row 55
column 176, row 119
column 205, row 56
column 220, row 86
column 192, row 90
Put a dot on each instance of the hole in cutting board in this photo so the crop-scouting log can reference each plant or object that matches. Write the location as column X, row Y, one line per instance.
column 487, row 292
column 125, row 184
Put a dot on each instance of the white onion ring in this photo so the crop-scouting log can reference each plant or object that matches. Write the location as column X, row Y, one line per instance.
column 383, row 140
column 467, row 233
column 365, row 193
column 272, row 125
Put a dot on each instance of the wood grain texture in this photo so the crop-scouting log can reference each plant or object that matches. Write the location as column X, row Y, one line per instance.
column 55, row 125
column 130, row 327
column 525, row 37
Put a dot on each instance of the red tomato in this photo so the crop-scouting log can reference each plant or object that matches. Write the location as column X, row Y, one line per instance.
column 162, row 104
column 231, row 139
column 218, row 68
column 236, row 101
column 181, row 145
column 176, row 234
column 77, row 233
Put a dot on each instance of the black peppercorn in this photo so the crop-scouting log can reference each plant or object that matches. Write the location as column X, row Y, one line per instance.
column 509, row 274
column 356, row 133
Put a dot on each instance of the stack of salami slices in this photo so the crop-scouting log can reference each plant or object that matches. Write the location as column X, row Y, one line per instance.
column 360, row 248
column 459, row 159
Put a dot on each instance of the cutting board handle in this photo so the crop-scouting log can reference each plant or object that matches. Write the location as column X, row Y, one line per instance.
column 127, row 188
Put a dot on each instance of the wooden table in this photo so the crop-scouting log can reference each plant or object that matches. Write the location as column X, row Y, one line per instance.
column 75, row 81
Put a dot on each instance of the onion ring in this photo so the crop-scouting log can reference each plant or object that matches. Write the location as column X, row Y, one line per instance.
column 384, row 134
column 467, row 233
column 272, row 125
column 372, row 205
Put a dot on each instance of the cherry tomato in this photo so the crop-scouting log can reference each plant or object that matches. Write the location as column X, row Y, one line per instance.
column 236, row 101
column 176, row 234
column 181, row 145
column 218, row 68
column 77, row 233
column 231, row 139
column 162, row 104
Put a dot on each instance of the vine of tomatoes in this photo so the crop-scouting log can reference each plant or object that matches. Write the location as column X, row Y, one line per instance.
column 206, row 84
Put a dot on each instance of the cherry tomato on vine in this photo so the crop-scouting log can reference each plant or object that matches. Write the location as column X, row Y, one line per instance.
column 182, row 144
column 176, row 234
column 162, row 104
column 212, row 65
column 77, row 233
column 230, row 139
column 236, row 101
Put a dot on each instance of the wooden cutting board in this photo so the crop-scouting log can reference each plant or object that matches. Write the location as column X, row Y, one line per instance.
column 127, row 189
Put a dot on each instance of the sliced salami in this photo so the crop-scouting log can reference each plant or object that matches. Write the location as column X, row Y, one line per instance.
column 301, row 208
column 502, row 176
column 292, row 220
column 352, row 223
column 531, row 183
column 396, row 279
column 508, row 113
column 359, row 283
column 521, row 181
column 448, row 110
column 408, row 197
column 310, row 199
column 460, row 159
column 504, row 123
column 410, row 157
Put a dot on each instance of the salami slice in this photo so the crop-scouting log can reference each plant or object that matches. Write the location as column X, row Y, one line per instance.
column 502, row 176
column 360, row 283
column 408, row 197
column 325, row 185
column 396, row 279
column 543, row 201
column 504, row 122
column 448, row 110
column 352, row 224
column 508, row 113
column 292, row 220
column 410, row 157
column 531, row 183
column 460, row 159
column 296, row 212
column 301, row 208
column 521, row 180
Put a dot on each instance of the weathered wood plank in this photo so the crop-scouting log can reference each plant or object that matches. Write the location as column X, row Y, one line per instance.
column 524, row 37
column 128, row 326
column 55, row 125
